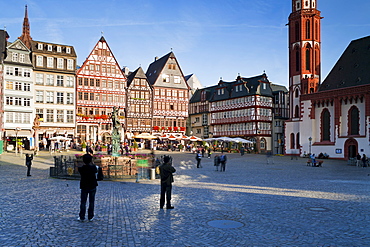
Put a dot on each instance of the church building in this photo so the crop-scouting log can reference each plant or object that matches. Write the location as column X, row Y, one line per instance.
column 333, row 116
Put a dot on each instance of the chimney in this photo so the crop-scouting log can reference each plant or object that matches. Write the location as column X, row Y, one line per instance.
column 156, row 58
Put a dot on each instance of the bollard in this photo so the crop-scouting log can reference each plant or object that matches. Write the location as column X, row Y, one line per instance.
column 152, row 173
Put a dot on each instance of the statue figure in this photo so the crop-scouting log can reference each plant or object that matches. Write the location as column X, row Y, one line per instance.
column 116, row 136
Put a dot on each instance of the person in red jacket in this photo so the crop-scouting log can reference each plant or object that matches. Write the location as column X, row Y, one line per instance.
column 88, row 185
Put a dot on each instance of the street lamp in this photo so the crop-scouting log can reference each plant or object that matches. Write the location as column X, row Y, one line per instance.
column 309, row 147
column 17, row 129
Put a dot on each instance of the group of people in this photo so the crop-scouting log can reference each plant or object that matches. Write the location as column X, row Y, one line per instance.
column 362, row 161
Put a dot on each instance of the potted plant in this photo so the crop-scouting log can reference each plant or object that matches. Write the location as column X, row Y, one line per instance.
column 83, row 146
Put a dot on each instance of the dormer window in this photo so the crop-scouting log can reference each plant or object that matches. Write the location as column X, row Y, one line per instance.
column 50, row 48
column 39, row 46
column 68, row 50
column 59, row 49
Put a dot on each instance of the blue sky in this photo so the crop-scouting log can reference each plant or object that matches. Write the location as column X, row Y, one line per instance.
column 210, row 38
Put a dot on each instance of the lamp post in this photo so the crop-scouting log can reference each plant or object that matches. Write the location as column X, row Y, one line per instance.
column 17, row 129
column 310, row 142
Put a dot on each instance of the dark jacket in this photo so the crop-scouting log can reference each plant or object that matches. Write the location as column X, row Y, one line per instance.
column 29, row 160
column 88, row 177
column 166, row 171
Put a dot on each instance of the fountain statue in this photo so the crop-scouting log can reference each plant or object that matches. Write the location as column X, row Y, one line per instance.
column 116, row 135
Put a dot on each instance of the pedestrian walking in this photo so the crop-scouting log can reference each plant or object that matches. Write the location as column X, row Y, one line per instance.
column 223, row 160
column 88, row 184
column 29, row 159
column 216, row 162
column 198, row 158
column 209, row 152
column 359, row 161
column 364, row 160
column 166, row 171
column 203, row 152
column 242, row 150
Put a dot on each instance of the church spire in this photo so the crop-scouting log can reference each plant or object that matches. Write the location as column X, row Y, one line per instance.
column 26, row 37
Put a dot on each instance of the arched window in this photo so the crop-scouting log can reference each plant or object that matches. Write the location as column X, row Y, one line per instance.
column 263, row 144
column 308, row 58
column 297, row 141
column 296, row 93
column 308, row 29
column 292, row 143
column 353, row 121
column 317, row 61
column 325, row 125
column 316, row 31
column 297, row 31
column 296, row 111
column 297, row 60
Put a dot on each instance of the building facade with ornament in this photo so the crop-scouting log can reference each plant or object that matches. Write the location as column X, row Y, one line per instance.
column 332, row 117
column 170, row 97
column 101, row 85
column 18, row 96
column 139, row 106
column 54, row 87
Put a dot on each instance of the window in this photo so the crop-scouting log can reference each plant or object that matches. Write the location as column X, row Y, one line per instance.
column 18, row 86
column 15, row 57
column 325, row 125
column 79, row 95
column 97, row 82
column 298, row 146
column 60, row 97
column 354, row 121
column 92, row 96
column 60, row 116
column 110, row 84
column 27, row 87
column 176, row 79
column 9, row 70
column 39, row 61
column 50, row 62
column 49, row 97
column 292, row 142
column 17, row 101
column 166, row 78
column 9, row 85
column 308, row 29
column 50, row 48
column 18, row 117
column 59, row 49
column 296, row 93
column 70, row 64
column 26, row 72
column 49, row 80
column 49, row 115
column 308, row 59
column 39, row 46
column 60, row 64
column 68, row 50
column 39, row 97
column 86, row 81
column 296, row 111
column 9, row 117
column 297, row 60
column 40, row 113
column 22, row 58
column 70, row 81
column 9, row 100
column 86, row 96
column 69, row 116
column 80, row 81
column 17, row 71
column 60, row 80
column 27, row 102
column 92, row 82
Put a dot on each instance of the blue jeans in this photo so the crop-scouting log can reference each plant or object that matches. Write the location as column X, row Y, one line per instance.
column 84, row 195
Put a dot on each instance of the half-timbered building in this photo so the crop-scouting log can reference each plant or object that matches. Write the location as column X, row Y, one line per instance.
column 170, row 100
column 243, row 108
column 100, row 86
column 139, row 110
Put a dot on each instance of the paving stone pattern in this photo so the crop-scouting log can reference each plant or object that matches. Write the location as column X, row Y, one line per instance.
column 282, row 204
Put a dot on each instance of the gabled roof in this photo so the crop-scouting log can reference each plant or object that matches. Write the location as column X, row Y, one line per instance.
column 250, row 86
column 155, row 68
column 138, row 73
column 198, row 93
column 276, row 88
column 352, row 68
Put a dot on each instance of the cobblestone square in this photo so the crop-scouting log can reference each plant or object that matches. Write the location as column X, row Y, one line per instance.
column 251, row 204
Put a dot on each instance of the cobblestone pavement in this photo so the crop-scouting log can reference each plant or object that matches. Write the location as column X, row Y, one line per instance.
column 251, row 204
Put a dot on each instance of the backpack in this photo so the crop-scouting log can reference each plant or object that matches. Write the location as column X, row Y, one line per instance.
column 99, row 174
column 222, row 158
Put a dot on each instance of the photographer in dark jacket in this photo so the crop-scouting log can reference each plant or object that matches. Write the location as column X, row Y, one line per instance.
column 88, row 185
column 166, row 173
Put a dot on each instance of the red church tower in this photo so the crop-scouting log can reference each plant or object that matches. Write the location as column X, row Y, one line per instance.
column 304, row 51
column 304, row 64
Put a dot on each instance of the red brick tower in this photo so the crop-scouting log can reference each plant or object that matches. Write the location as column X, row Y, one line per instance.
column 26, row 35
column 304, row 51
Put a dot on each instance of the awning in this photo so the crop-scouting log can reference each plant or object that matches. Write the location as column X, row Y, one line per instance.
column 20, row 133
